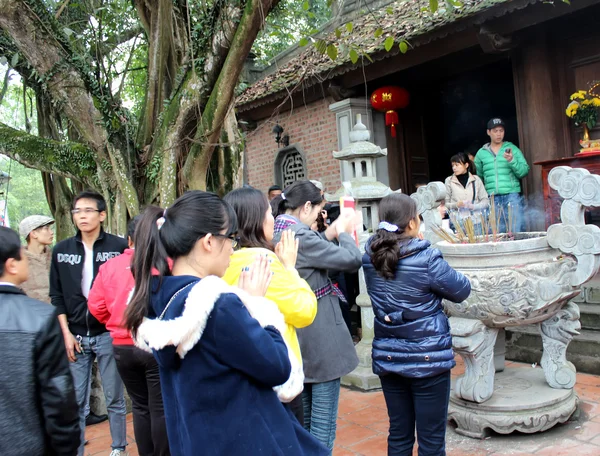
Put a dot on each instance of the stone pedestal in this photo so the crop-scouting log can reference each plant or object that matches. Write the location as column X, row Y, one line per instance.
column 363, row 377
column 522, row 401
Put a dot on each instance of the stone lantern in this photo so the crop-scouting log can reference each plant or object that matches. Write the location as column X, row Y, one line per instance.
column 363, row 186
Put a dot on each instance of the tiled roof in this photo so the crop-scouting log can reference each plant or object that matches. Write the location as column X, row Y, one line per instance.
column 403, row 20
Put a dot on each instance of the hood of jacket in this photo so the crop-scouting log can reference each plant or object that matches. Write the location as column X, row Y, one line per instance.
column 185, row 303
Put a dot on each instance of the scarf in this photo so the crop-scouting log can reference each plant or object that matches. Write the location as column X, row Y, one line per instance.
column 283, row 222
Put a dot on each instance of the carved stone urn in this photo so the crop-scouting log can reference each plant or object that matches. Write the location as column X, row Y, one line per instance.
column 525, row 281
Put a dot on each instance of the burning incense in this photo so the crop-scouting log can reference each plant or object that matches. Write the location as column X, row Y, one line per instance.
column 484, row 225
column 493, row 222
column 510, row 219
column 501, row 217
column 470, row 230
column 444, row 235
column 459, row 230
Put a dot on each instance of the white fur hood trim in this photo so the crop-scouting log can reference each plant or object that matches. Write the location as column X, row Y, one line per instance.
column 185, row 331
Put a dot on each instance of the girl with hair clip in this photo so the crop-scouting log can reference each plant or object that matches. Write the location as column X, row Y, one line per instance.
column 412, row 348
column 327, row 349
column 224, row 364
column 293, row 296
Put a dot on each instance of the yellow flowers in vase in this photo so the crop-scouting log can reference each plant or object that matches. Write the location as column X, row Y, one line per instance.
column 583, row 109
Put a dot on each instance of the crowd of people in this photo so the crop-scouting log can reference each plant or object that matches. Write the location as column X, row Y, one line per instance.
column 221, row 319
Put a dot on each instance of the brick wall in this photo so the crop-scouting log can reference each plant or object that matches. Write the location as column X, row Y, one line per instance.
column 313, row 129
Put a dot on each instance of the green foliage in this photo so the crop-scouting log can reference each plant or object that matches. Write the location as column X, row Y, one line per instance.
column 25, row 194
column 289, row 23
column 332, row 51
column 321, row 46
column 154, row 168
column 403, row 46
column 389, row 43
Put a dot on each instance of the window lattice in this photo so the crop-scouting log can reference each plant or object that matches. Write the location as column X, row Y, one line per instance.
column 292, row 168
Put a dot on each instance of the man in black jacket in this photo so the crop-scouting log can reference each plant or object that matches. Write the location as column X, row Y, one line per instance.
column 75, row 264
column 38, row 411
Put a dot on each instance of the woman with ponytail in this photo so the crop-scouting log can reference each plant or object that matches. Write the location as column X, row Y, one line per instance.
column 412, row 349
column 327, row 349
column 224, row 365
column 293, row 296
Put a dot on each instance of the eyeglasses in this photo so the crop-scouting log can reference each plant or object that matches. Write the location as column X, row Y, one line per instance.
column 235, row 240
column 87, row 210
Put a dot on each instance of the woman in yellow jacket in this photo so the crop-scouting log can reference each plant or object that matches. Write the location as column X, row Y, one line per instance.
column 293, row 296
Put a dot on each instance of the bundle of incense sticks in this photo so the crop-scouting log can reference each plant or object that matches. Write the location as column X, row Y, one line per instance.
column 444, row 235
column 510, row 219
column 470, row 230
column 493, row 220
column 457, row 226
column 484, row 225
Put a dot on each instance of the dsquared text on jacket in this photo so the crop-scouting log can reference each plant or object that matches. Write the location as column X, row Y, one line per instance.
column 76, row 259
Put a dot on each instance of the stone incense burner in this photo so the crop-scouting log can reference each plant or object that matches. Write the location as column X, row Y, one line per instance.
column 525, row 281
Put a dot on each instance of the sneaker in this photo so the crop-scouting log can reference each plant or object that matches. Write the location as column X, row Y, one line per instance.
column 92, row 419
column 119, row 453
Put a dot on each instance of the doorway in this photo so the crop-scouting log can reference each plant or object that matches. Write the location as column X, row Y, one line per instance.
column 460, row 108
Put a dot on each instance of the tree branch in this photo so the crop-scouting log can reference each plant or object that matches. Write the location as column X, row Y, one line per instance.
column 99, row 50
column 5, row 84
column 221, row 97
column 35, row 32
column 64, row 158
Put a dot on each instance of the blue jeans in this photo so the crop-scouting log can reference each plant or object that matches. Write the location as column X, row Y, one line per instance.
column 101, row 348
column 320, row 401
column 423, row 401
column 515, row 200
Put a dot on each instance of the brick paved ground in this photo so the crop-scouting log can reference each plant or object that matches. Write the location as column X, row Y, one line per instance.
column 362, row 429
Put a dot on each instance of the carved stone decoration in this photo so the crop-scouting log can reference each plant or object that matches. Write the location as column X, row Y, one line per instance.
column 361, row 154
column 580, row 189
column 582, row 241
column 492, row 42
column 292, row 168
column 526, row 280
column 428, row 199
column 557, row 332
column 474, row 342
column 516, row 295
column 576, row 184
column 522, row 401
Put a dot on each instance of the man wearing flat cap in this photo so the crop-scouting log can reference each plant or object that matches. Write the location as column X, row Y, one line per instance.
column 37, row 231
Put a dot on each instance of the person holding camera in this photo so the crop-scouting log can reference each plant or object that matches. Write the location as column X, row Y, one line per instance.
column 501, row 165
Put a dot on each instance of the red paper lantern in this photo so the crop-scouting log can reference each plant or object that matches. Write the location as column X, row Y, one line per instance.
column 388, row 99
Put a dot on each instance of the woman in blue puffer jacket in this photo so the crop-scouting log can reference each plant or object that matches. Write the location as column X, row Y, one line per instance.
column 412, row 349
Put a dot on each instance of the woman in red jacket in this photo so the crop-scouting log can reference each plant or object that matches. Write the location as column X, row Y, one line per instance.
column 107, row 301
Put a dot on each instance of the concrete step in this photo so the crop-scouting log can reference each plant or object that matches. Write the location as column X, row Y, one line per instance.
column 524, row 343
column 590, row 316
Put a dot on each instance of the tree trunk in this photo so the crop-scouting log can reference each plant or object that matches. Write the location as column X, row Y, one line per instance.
column 187, row 113
column 68, row 86
column 59, row 197
column 222, row 96
column 58, row 193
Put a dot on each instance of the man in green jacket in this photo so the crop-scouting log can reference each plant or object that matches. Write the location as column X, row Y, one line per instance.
column 501, row 166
